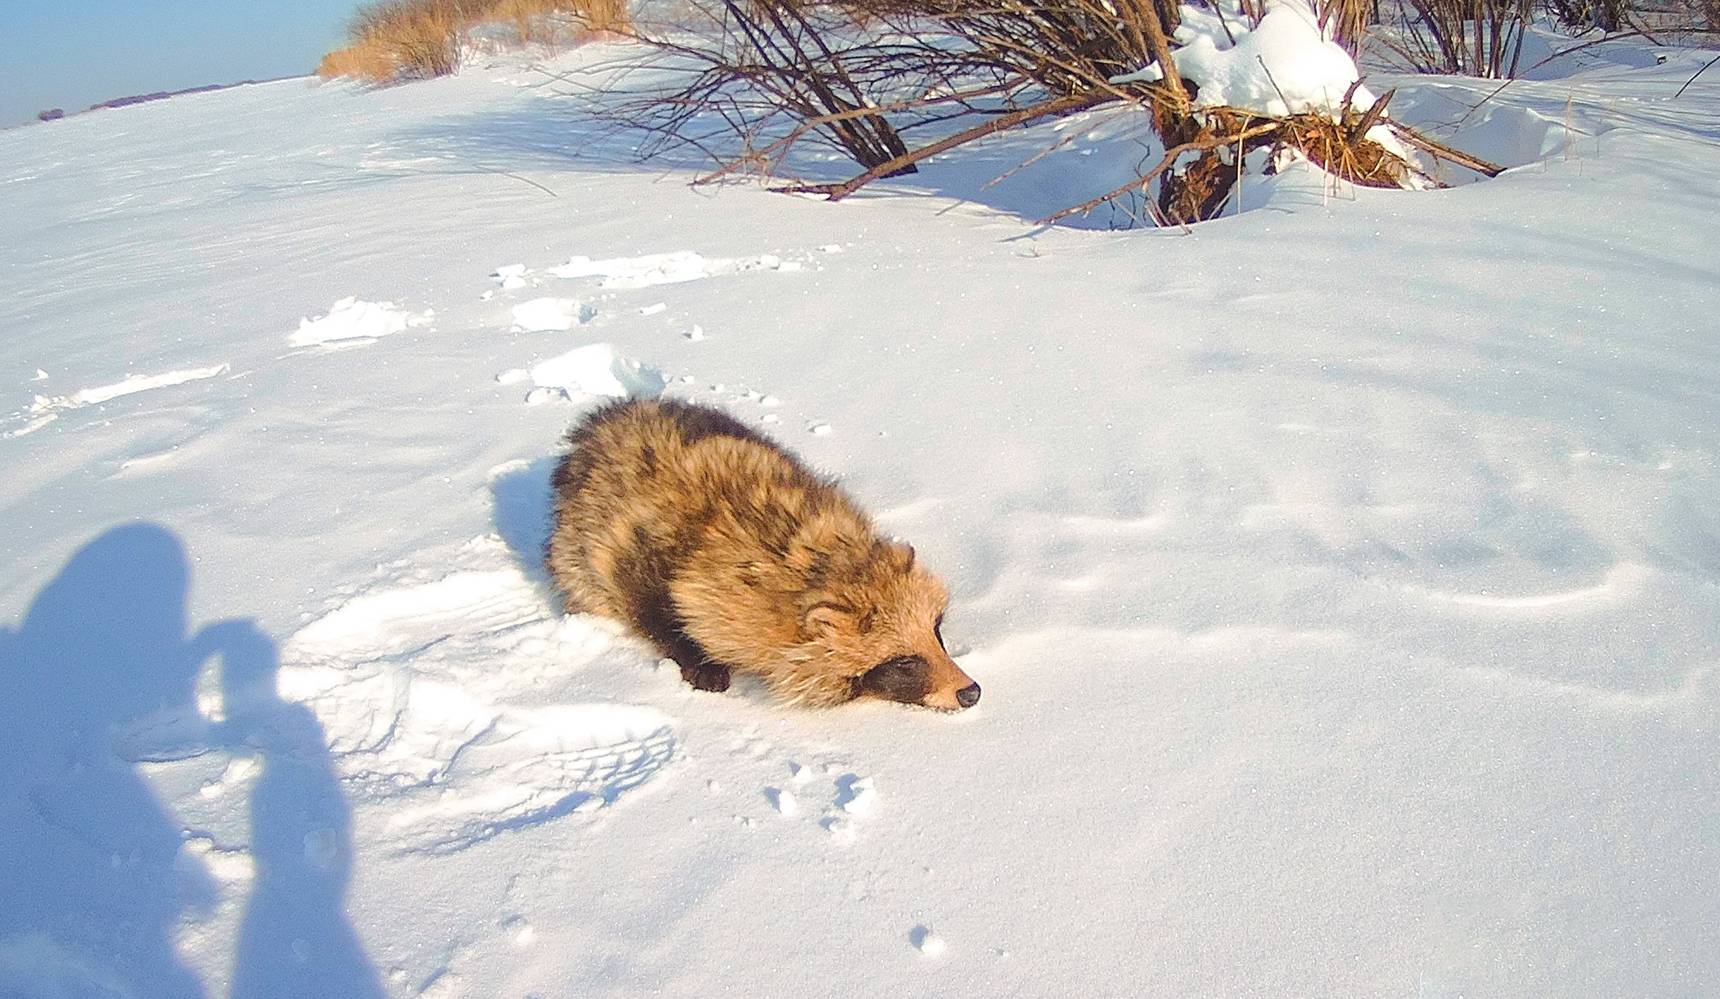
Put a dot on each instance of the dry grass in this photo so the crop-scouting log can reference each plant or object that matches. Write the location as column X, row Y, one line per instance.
column 560, row 22
column 358, row 62
column 394, row 40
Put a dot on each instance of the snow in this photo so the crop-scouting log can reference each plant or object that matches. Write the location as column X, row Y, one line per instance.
column 593, row 370
column 45, row 409
column 354, row 319
column 543, row 314
column 666, row 268
column 1343, row 576
column 928, row 942
column 510, row 276
column 1282, row 66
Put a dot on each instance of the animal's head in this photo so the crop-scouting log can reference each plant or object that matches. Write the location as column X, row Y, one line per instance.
column 882, row 627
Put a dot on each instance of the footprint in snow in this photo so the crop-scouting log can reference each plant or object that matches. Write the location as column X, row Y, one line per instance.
column 520, row 932
column 926, row 941
column 784, row 801
column 403, row 680
column 856, row 795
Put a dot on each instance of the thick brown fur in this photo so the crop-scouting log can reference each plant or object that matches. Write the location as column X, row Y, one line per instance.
column 728, row 554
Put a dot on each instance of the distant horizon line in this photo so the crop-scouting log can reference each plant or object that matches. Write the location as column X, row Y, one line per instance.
column 131, row 100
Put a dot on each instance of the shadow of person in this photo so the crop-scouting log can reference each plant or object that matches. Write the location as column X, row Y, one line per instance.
column 294, row 940
column 93, row 883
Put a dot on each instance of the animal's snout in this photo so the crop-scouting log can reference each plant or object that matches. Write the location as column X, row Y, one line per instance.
column 968, row 696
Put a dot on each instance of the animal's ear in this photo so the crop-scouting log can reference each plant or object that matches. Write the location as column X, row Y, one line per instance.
column 898, row 553
column 827, row 618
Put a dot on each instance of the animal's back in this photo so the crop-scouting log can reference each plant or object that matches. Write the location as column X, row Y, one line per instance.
column 648, row 484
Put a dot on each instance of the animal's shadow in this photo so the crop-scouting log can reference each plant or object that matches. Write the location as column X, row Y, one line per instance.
column 521, row 500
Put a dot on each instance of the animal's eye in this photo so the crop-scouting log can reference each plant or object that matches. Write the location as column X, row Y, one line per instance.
column 901, row 678
column 938, row 630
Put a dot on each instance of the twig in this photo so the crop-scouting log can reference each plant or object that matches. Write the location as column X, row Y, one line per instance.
column 1056, row 105
column 1287, row 108
column 1059, row 143
column 1442, row 151
column 1371, row 116
column 1692, row 79
column 802, row 128
column 523, row 180
column 1638, row 33
column 1200, row 144
column 1478, row 104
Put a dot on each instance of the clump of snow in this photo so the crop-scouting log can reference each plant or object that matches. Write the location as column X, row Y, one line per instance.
column 353, row 318
column 1284, row 65
column 675, row 267
column 638, row 272
column 545, row 315
column 132, row 384
column 596, row 369
column 44, row 409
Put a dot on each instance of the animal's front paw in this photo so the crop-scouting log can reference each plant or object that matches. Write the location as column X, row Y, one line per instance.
column 707, row 676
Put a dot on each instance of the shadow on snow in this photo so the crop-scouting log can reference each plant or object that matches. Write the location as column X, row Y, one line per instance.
column 96, row 881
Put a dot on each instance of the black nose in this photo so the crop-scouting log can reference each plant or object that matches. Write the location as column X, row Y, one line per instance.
column 968, row 696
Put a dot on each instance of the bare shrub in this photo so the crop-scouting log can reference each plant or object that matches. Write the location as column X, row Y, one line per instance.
column 1485, row 37
column 1582, row 15
column 761, row 66
column 862, row 75
column 1472, row 37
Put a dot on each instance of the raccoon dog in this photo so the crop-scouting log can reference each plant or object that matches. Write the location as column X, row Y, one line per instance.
column 728, row 554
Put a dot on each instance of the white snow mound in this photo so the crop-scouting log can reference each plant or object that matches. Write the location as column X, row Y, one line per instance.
column 1285, row 65
column 551, row 315
column 596, row 369
column 353, row 318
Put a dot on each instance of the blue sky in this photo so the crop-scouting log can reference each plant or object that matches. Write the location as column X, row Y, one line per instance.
column 73, row 53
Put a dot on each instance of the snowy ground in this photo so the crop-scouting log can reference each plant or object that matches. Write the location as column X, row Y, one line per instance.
column 1344, row 577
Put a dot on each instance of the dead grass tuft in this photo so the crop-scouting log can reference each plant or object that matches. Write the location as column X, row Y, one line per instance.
column 393, row 40
column 358, row 61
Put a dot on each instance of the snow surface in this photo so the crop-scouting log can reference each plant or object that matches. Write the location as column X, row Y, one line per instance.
column 1344, row 577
